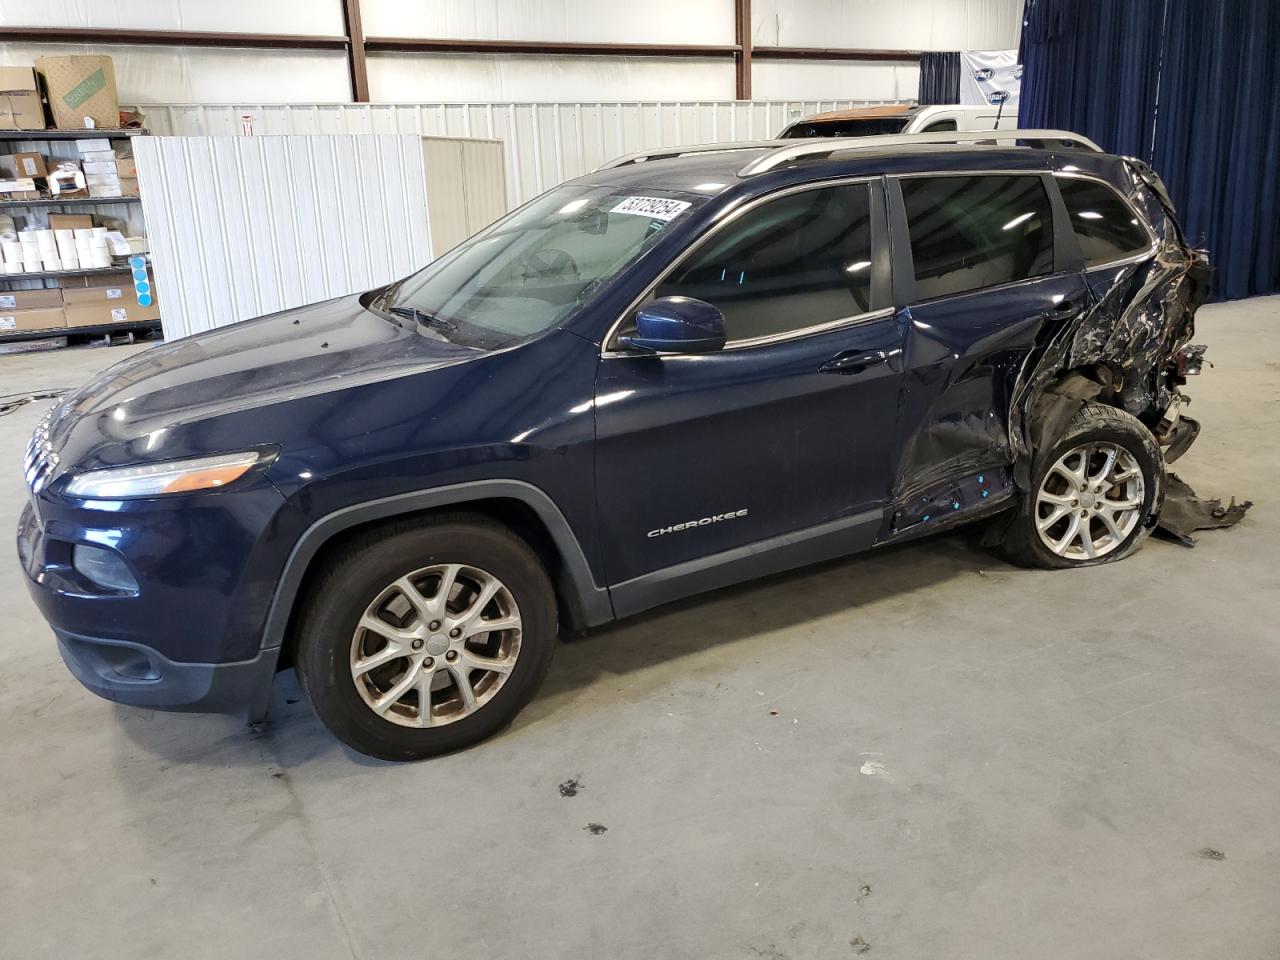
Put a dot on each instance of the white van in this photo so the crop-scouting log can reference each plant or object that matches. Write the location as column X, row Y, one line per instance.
column 901, row 118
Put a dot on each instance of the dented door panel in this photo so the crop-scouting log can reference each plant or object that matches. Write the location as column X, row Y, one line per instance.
column 964, row 358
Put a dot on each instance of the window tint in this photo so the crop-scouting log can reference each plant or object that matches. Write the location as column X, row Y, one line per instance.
column 1105, row 225
column 795, row 262
column 972, row 232
column 939, row 125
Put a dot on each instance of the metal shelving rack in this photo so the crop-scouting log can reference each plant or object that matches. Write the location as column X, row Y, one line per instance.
column 60, row 202
column 108, row 330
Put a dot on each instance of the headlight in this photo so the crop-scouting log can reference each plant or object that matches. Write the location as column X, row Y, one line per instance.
column 154, row 479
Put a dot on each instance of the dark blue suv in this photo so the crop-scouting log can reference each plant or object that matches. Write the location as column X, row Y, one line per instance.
column 689, row 368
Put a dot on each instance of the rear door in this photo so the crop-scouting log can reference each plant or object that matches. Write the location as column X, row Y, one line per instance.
column 787, row 428
column 989, row 273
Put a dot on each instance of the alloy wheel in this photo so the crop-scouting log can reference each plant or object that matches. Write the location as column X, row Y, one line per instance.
column 1090, row 501
column 436, row 645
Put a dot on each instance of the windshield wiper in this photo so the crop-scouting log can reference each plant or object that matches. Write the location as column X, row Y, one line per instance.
column 387, row 295
column 422, row 317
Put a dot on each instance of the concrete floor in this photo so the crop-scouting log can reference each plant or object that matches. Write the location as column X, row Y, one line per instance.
column 917, row 753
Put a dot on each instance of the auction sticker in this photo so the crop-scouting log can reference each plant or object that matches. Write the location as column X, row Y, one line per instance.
column 656, row 208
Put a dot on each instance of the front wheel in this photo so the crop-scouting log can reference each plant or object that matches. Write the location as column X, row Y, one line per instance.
column 421, row 638
column 1094, row 495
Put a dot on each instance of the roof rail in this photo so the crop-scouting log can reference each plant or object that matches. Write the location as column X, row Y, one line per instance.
column 819, row 146
column 784, row 151
column 665, row 153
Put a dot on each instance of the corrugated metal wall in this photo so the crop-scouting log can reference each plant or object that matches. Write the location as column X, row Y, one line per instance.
column 244, row 226
column 546, row 143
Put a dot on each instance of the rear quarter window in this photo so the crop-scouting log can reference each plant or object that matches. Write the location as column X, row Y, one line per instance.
column 1108, row 228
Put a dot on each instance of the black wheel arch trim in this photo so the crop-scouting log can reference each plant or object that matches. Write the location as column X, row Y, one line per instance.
column 585, row 598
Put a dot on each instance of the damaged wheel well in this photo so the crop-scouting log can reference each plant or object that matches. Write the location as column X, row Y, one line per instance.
column 1052, row 409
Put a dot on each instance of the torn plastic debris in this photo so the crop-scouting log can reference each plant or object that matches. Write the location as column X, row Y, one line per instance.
column 1183, row 512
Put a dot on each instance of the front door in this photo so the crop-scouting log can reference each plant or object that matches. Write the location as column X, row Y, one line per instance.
column 786, row 431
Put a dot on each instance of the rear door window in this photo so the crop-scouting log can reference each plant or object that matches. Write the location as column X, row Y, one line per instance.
column 1108, row 229
column 970, row 232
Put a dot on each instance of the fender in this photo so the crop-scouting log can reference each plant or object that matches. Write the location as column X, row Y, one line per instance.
column 591, row 600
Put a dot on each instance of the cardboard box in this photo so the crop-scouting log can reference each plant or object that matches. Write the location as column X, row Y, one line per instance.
column 129, row 188
column 11, row 300
column 16, row 165
column 126, row 167
column 105, row 191
column 97, row 156
column 24, row 189
column 20, row 107
column 118, row 292
column 70, row 221
column 80, row 89
column 110, row 311
column 122, row 279
column 94, row 179
column 122, row 246
column 100, row 168
column 35, row 318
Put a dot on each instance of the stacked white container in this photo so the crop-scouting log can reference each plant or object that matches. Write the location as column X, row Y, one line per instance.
column 67, row 253
column 45, row 251
column 48, row 247
column 12, row 251
column 30, row 251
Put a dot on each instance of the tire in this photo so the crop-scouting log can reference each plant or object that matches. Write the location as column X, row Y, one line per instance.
column 1135, row 475
column 348, row 666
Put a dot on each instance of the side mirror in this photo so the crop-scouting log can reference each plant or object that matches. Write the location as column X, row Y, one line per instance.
column 677, row 325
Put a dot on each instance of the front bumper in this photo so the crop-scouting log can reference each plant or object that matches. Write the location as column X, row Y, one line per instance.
column 190, row 636
column 139, row 676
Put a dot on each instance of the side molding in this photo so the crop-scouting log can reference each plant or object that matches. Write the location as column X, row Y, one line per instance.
column 836, row 538
column 591, row 601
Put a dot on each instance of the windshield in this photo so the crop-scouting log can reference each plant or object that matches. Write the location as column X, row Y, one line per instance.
column 862, row 127
column 532, row 269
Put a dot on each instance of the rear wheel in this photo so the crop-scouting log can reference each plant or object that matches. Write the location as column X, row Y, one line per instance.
column 1094, row 494
column 422, row 638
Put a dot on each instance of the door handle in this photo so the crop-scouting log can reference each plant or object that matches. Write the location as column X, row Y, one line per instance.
column 1060, row 310
column 855, row 361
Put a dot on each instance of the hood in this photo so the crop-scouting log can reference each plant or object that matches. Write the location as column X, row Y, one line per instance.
column 284, row 356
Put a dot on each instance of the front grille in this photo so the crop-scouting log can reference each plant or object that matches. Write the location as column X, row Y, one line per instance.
column 40, row 465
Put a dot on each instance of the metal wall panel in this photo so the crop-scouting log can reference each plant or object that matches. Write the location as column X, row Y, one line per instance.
column 419, row 77
column 201, row 74
column 316, row 17
column 656, row 21
column 244, row 226
column 545, row 143
column 887, row 24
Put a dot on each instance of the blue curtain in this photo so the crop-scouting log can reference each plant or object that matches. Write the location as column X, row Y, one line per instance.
column 1190, row 86
column 939, row 78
